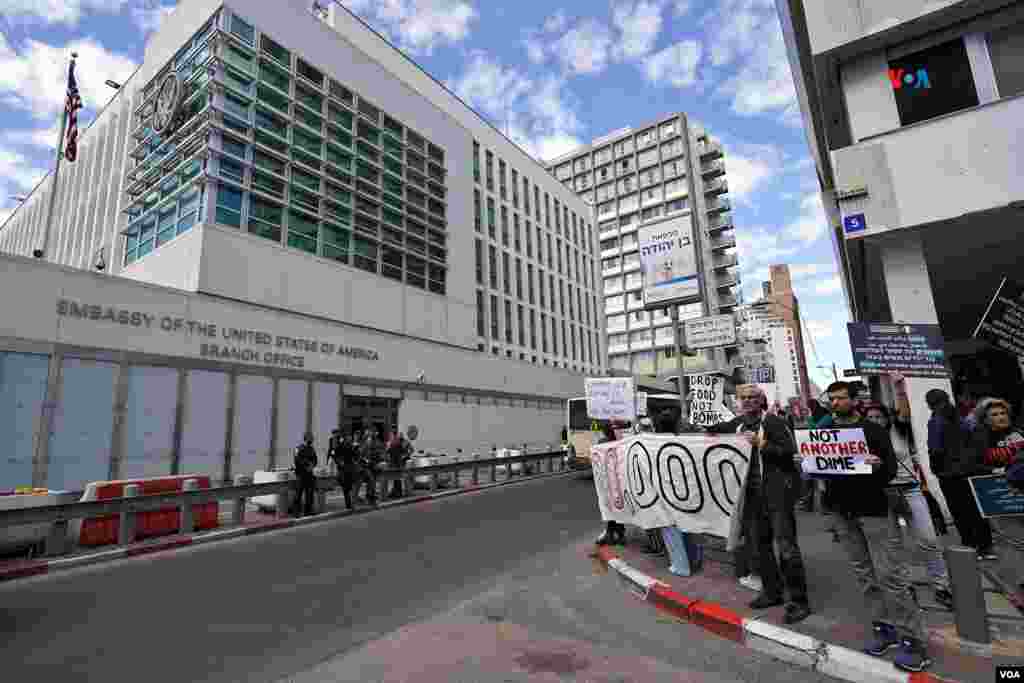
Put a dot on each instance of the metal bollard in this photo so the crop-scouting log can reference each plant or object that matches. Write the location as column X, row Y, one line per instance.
column 238, row 514
column 968, row 599
column 188, row 522
column 126, row 528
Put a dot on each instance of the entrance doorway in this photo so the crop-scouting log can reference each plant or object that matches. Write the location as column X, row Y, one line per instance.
column 362, row 413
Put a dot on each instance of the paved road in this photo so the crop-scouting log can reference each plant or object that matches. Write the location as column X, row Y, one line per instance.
column 487, row 586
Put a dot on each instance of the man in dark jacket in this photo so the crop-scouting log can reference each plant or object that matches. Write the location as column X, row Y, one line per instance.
column 773, row 484
column 346, row 457
column 305, row 461
column 896, row 616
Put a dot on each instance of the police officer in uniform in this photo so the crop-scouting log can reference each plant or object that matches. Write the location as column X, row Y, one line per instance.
column 305, row 461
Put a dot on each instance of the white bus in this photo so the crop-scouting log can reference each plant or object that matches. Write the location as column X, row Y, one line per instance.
column 582, row 431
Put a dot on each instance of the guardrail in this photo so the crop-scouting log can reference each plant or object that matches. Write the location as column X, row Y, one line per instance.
column 58, row 516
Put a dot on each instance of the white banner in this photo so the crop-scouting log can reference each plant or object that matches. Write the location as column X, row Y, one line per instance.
column 611, row 397
column 705, row 333
column 707, row 400
column 833, row 451
column 669, row 262
column 692, row 482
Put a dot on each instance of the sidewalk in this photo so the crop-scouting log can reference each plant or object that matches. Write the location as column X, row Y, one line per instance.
column 19, row 566
column 838, row 617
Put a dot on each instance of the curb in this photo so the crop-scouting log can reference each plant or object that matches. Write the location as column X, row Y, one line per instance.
column 39, row 567
column 789, row 646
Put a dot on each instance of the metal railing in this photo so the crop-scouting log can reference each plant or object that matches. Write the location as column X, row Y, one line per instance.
column 58, row 516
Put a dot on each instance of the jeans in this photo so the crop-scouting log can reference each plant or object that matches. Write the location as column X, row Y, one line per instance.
column 974, row 529
column 893, row 603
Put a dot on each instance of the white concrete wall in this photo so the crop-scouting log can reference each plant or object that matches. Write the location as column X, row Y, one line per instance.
column 870, row 103
column 175, row 264
column 476, row 428
column 832, row 23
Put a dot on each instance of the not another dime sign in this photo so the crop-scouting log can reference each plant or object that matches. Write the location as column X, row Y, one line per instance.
column 833, row 451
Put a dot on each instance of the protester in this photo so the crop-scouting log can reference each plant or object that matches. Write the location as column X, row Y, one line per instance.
column 370, row 455
column 896, row 617
column 614, row 532
column 772, row 485
column 399, row 450
column 305, row 479
column 910, row 503
column 346, row 457
column 954, row 456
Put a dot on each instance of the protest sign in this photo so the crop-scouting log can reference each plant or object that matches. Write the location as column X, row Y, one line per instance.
column 1003, row 322
column 833, row 451
column 694, row 483
column 995, row 497
column 611, row 397
column 707, row 400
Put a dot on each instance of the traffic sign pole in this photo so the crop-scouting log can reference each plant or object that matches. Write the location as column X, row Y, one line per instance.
column 680, row 344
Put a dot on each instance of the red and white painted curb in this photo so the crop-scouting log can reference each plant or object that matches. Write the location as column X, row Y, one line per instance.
column 778, row 642
column 37, row 567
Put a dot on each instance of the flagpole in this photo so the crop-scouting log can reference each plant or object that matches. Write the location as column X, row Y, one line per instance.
column 41, row 251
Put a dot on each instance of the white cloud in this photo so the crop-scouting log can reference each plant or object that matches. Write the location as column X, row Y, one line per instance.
column 639, row 24
column 56, row 12
column 584, row 49
column 810, row 225
column 45, row 138
column 535, row 49
column 802, row 271
column 418, row 26
column 830, row 286
column 45, row 67
column 676, row 65
column 681, row 8
column 820, row 329
column 538, row 115
column 748, row 166
column 18, row 173
column 556, row 23
column 150, row 15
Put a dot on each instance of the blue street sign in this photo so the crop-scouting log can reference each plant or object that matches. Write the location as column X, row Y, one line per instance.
column 854, row 223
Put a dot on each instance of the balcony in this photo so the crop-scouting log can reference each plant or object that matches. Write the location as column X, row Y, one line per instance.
column 723, row 242
column 618, row 348
column 716, row 187
column 631, row 263
column 726, row 280
column 608, row 253
column 632, row 246
column 611, row 270
column 719, row 223
column 723, row 261
column 608, row 234
column 614, row 329
column 713, row 169
column 726, row 303
column 719, row 205
column 711, row 150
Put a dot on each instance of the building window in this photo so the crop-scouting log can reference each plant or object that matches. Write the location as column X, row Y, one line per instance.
column 490, row 171
column 506, row 272
column 540, row 286
column 491, row 222
column 529, row 281
column 504, row 226
column 476, row 162
column 477, row 211
column 533, row 330
column 932, row 82
column 522, row 326
column 492, row 262
column 494, row 318
column 543, row 332
column 508, row 321
column 502, row 188
column 529, row 240
column 1006, row 50
column 519, row 278
column 516, row 233
column 479, row 262
column 229, row 206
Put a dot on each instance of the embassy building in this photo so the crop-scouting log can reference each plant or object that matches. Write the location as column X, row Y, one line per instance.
column 286, row 209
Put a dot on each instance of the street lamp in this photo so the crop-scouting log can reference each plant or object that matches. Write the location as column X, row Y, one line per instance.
column 20, row 198
column 113, row 84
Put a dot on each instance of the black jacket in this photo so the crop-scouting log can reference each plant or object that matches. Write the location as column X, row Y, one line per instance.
column 778, row 484
column 305, row 461
column 864, row 494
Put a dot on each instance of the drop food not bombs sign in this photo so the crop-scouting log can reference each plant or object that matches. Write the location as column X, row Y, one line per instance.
column 833, row 451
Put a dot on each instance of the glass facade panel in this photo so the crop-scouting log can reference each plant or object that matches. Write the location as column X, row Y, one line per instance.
column 251, row 430
column 22, row 392
column 205, row 424
column 82, row 425
column 149, row 422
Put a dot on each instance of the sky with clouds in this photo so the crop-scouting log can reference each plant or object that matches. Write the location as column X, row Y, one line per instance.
column 553, row 75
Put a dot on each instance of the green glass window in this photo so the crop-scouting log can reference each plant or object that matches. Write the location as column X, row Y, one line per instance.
column 310, row 119
column 367, row 152
column 240, row 82
column 338, row 194
column 271, row 142
column 368, row 132
column 242, row 29
column 306, row 180
column 268, row 184
column 338, row 176
column 265, row 219
column 392, row 125
column 391, row 263
column 168, row 186
column 307, row 141
column 392, row 185
column 267, row 121
column 304, row 158
column 336, row 236
column 234, row 147
column 338, row 213
column 302, row 232
column 340, row 116
column 240, row 60
column 340, row 92
column 393, row 166
column 229, row 206
column 339, row 158
column 393, row 217
column 305, row 199
column 310, row 73
column 275, row 76
column 275, row 50
column 364, row 254
column 367, row 172
column 309, row 98
column 272, row 99
column 165, row 225
column 393, row 201
column 340, row 136
column 268, row 163
column 392, row 146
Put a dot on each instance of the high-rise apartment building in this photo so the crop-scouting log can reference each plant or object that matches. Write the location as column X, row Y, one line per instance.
column 301, row 229
column 669, row 170
column 782, row 303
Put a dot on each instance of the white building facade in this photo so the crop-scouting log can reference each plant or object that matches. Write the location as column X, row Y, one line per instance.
column 667, row 171
column 913, row 111
column 288, row 209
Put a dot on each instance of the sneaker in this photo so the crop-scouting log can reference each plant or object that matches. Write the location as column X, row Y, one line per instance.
column 883, row 639
column 944, row 597
column 912, row 656
column 765, row 601
column 987, row 555
column 753, row 582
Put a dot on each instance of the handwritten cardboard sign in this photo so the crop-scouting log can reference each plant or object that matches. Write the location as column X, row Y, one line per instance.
column 833, row 451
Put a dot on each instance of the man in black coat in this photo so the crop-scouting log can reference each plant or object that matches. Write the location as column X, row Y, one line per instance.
column 305, row 462
column 773, row 485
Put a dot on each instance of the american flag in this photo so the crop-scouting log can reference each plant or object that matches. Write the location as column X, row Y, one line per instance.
column 71, row 106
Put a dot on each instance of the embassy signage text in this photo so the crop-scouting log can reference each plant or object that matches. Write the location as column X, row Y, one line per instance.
column 218, row 341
